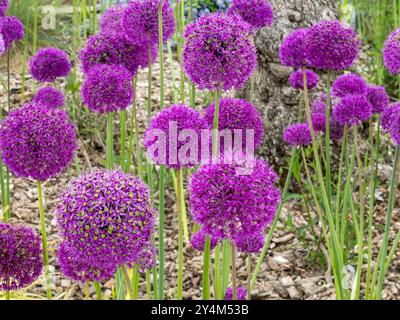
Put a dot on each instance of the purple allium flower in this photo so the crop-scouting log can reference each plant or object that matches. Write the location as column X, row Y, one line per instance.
column 111, row 21
column 378, row 98
column 395, row 131
column 229, row 205
column 336, row 129
column 174, row 120
column 241, row 294
column 391, row 53
column 349, row 84
column 198, row 240
column 4, row 4
column 331, row 46
column 218, row 52
column 292, row 49
column 146, row 259
column 258, row 13
column 319, row 122
column 237, row 114
column 352, row 110
column 388, row 116
column 37, row 142
column 75, row 266
column 114, row 50
column 107, row 88
column 319, row 104
column 297, row 82
column 298, row 135
column 140, row 21
column 11, row 29
column 106, row 216
column 250, row 244
column 21, row 260
column 49, row 97
column 49, row 64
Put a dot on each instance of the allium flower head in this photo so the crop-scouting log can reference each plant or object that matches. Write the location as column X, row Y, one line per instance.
column 352, row 110
column 49, row 97
column 114, row 49
column 12, row 29
column 229, row 205
column 20, row 257
column 237, row 114
column 319, row 122
column 292, row 49
column 107, row 88
column 106, row 216
column 395, row 131
column 198, row 240
column 331, row 46
column 49, row 64
column 336, row 129
column 146, row 258
column 78, row 268
column 174, row 120
column 37, row 142
column 297, row 82
column 4, row 4
column 251, row 244
column 298, row 135
column 218, row 52
column 241, row 294
column 349, row 84
column 391, row 52
column 319, row 104
column 388, row 117
column 111, row 21
column 378, row 98
column 140, row 21
column 258, row 13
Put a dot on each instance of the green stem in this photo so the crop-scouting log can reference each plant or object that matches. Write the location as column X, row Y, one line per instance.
column 328, row 138
column 216, row 123
column 44, row 239
column 123, row 137
column 128, row 282
column 234, row 278
column 206, row 268
column 110, row 141
column 149, row 83
column 97, row 287
column 132, row 132
column 217, row 272
column 226, row 266
column 180, row 234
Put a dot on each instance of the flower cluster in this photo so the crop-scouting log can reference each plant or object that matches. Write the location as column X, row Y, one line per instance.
column 352, row 110
column 4, row 4
column 11, row 29
column 293, row 48
column 298, row 135
column 49, row 64
column 111, row 21
column 218, row 52
column 391, row 53
column 107, row 88
column 349, row 84
column 146, row 258
column 49, row 97
column 378, row 98
column 390, row 122
column 241, row 294
column 183, row 118
column 37, row 141
column 106, row 217
column 198, row 240
column 140, row 21
column 231, row 206
column 21, row 257
column 250, row 244
column 258, row 13
column 296, row 79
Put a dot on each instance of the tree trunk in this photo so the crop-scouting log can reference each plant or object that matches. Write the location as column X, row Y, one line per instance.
column 273, row 97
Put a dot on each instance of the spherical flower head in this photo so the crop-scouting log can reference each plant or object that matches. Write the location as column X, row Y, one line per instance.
column 241, row 294
column 257, row 13
column 349, row 84
column 352, row 110
column 140, row 21
column 49, row 64
column 198, row 240
column 298, row 135
column 37, row 142
column 106, row 216
column 237, row 114
column 111, row 21
column 175, row 120
column 250, row 244
column 297, row 82
column 391, row 53
column 21, row 257
column 331, row 46
column 218, row 52
column 378, row 98
column 49, row 97
column 292, row 49
column 107, row 88
column 115, row 49
column 319, row 122
column 146, row 258
column 11, row 29
column 74, row 265
column 4, row 4
column 389, row 115
column 229, row 203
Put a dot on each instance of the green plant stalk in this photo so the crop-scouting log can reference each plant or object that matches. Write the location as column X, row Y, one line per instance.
column 149, row 84
column 110, row 141
column 206, row 269
column 217, row 272
column 234, row 277
column 3, row 201
column 268, row 237
column 35, row 24
column 248, row 295
column 135, row 283
column 123, row 137
column 44, row 239
column 180, row 233
column 181, row 28
column 148, row 285
column 84, row 18
column 252, row 87
column 385, row 242
column 132, row 131
column 339, row 184
column 128, row 281
column 216, row 124
column 97, row 287
column 226, row 266
column 328, row 138
column 172, row 71
column 87, row 295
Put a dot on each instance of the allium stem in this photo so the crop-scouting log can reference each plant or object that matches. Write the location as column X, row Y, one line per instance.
column 328, row 138
column 217, row 272
column 180, row 233
column 149, row 84
column 44, row 239
column 128, row 282
column 248, row 297
column 110, row 141
column 216, row 123
column 97, row 287
column 133, row 135
column 252, row 87
column 226, row 266
column 206, row 268
column 123, row 137
column 234, row 278
column 87, row 284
